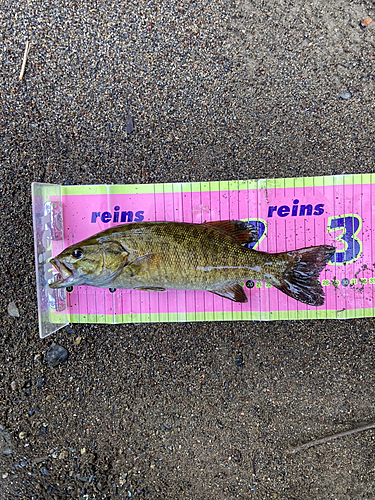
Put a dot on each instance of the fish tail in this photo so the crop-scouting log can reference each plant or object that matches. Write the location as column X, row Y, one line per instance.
column 300, row 276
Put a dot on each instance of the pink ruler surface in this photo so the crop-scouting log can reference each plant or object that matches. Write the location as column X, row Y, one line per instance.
column 289, row 214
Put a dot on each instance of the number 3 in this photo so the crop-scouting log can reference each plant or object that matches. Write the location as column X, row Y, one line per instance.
column 350, row 225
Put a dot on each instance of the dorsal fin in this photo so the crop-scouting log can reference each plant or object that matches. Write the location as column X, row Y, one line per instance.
column 241, row 232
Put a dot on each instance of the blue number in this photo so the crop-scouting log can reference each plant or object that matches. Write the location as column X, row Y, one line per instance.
column 350, row 225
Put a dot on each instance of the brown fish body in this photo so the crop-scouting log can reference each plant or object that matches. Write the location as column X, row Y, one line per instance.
column 172, row 255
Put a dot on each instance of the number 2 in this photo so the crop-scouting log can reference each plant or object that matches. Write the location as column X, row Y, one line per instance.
column 350, row 225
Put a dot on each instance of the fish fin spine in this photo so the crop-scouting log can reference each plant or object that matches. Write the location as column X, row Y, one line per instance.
column 241, row 232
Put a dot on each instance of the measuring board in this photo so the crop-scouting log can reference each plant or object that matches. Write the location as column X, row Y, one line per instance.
column 288, row 214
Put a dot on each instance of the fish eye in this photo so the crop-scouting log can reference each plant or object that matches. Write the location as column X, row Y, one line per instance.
column 77, row 253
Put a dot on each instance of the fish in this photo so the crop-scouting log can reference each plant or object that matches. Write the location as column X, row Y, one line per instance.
column 211, row 256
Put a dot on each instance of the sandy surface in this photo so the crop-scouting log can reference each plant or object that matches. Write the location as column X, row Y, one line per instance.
column 217, row 90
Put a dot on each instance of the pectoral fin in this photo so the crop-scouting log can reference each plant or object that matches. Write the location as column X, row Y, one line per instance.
column 143, row 265
column 232, row 292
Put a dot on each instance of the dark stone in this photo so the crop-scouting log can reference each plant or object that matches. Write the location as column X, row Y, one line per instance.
column 239, row 362
column 129, row 125
column 40, row 382
column 44, row 471
column 56, row 354
column 5, row 441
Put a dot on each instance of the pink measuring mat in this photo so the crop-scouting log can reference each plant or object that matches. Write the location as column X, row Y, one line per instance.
column 288, row 213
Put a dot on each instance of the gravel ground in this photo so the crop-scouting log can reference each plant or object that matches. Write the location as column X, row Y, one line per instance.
column 217, row 90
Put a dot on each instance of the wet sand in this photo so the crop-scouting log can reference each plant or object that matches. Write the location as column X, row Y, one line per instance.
column 217, row 91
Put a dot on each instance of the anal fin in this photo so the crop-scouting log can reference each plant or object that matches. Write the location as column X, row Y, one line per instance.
column 233, row 292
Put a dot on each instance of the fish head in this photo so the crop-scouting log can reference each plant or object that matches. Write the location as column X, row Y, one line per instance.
column 93, row 263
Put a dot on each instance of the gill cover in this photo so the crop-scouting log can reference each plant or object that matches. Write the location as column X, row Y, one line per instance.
column 89, row 264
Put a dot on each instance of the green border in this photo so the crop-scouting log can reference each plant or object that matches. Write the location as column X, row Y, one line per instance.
column 221, row 316
column 240, row 185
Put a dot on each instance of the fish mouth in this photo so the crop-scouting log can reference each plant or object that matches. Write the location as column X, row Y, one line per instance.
column 66, row 275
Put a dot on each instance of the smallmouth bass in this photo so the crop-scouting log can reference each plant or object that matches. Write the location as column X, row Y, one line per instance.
column 156, row 256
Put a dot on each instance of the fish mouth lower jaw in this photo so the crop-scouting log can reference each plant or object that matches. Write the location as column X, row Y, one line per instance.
column 66, row 276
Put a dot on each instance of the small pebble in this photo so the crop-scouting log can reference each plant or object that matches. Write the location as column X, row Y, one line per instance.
column 22, row 435
column 77, row 341
column 83, row 451
column 366, row 22
column 69, row 330
column 38, row 357
column 5, row 441
column 56, row 354
column 40, row 382
column 13, row 385
column 345, row 95
column 239, row 362
column 44, row 471
column 13, row 310
column 63, row 455
column 5, row 475
column 129, row 124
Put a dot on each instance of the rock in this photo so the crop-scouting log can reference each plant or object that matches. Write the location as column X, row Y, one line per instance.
column 44, row 471
column 38, row 358
column 27, row 387
column 13, row 386
column 345, row 95
column 32, row 411
column 5, row 441
column 69, row 330
column 56, row 354
column 40, row 382
column 239, row 362
column 129, row 125
column 13, row 310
